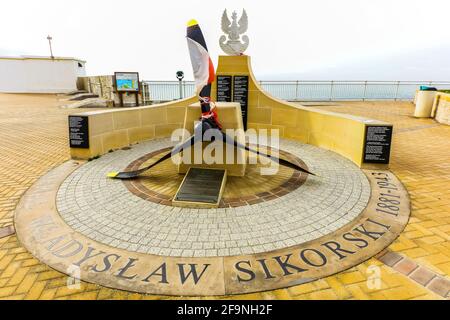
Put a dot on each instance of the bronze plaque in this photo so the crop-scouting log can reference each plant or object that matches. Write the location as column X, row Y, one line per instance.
column 201, row 185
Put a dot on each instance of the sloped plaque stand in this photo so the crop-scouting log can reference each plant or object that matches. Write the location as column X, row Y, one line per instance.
column 230, row 116
column 201, row 188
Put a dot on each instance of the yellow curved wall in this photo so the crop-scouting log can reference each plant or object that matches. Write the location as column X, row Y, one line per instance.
column 115, row 129
column 344, row 134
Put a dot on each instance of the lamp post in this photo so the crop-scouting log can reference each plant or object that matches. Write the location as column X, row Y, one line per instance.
column 180, row 77
column 49, row 38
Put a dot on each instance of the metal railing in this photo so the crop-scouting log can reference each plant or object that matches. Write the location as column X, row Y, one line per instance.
column 166, row 90
column 303, row 90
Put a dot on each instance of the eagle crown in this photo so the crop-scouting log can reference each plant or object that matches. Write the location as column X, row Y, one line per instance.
column 233, row 30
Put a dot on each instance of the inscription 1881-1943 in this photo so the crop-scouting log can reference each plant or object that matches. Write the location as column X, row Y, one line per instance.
column 377, row 145
column 79, row 132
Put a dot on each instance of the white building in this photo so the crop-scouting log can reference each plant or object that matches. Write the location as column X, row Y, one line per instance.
column 33, row 74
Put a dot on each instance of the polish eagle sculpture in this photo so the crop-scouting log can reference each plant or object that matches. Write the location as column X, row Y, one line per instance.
column 233, row 30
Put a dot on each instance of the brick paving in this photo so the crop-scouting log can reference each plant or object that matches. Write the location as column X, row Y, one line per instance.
column 420, row 159
column 420, row 274
column 34, row 132
column 33, row 140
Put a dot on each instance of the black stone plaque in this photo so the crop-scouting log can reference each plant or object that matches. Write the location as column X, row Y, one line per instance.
column 224, row 88
column 377, row 144
column 79, row 132
column 201, row 185
column 240, row 94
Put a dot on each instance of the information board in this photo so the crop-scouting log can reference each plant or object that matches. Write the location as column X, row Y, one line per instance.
column 377, row 144
column 79, row 132
column 240, row 94
column 224, row 88
column 127, row 81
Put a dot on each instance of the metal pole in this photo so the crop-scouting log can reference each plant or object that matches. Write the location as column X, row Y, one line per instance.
column 144, row 93
column 181, row 88
column 296, row 91
column 50, row 45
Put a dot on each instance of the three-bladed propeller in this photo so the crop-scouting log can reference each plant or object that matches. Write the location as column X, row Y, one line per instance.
column 195, row 139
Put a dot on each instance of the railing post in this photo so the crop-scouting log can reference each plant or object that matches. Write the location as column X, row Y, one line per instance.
column 146, row 92
column 296, row 91
column 365, row 90
column 396, row 91
column 181, row 88
column 331, row 91
column 143, row 92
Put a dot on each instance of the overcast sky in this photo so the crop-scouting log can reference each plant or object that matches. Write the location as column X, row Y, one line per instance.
column 327, row 39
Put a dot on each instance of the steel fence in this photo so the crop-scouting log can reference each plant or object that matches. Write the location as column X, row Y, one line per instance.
column 303, row 90
column 167, row 90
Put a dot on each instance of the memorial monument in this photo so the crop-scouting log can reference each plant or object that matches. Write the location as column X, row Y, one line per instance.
column 176, row 229
column 203, row 120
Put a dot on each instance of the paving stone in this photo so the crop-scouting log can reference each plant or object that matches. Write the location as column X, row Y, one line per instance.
column 405, row 266
column 86, row 211
column 440, row 286
column 422, row 275
column 36, row 129
column 390, row 258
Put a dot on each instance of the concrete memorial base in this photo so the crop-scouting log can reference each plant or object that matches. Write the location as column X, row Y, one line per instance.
column 230, row 118
column 267, row 233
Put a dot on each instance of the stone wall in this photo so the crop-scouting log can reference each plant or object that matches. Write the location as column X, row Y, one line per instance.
column 104, row 87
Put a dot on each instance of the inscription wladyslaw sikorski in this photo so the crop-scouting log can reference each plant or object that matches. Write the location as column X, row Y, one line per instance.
column 295, row 263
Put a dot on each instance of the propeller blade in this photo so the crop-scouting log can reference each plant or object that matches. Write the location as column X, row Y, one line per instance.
column 230, row 140
column 189, row 143
column 133, row 174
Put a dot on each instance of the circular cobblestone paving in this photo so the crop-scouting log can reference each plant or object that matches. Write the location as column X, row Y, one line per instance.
column 286, row 210
column 161, row 185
